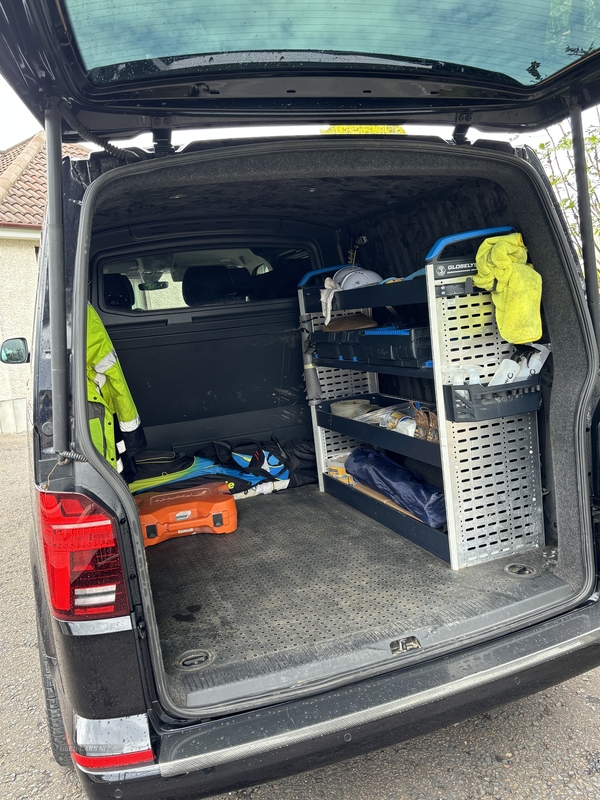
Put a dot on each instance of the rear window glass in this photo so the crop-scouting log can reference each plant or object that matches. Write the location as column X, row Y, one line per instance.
column 527, row 41
column 200, row 278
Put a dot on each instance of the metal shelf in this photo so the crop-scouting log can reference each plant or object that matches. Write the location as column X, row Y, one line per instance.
column 429, row 452
column 380, row 294
column 360, row 366
column 430, row 539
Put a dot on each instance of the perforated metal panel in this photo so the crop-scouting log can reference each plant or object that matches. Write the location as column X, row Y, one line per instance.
column 336, row 384
column 469, row 335
column 496, row 489
column 491, row 469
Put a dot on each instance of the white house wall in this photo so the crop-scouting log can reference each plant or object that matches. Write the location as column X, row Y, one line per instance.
column 18, row 281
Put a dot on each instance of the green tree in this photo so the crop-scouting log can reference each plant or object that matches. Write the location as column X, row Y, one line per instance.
column 556, row 154
column 398, row 129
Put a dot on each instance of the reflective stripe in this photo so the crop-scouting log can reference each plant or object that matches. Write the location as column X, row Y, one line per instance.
column 106, row 363
column 119, row 465
column 129, row 427
column 97, row 418
column 110, row 737
column 121, row 446
column 121, row 760
column 94, row 627
column 124, row 774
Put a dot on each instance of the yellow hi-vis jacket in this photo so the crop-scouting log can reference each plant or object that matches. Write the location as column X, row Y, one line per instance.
column 109, row 395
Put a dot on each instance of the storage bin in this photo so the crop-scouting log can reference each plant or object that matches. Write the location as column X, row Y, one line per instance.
column 337, row 344
column 407, row 347
column 475, row 403
column 171, row 514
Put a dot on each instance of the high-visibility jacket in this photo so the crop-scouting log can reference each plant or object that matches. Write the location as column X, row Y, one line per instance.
column 109, row 397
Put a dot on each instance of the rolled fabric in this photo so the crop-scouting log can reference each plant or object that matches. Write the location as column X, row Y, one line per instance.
column 403, row 486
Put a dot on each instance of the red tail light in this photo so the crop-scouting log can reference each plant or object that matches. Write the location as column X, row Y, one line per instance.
column 118, row 761
column 83, row 562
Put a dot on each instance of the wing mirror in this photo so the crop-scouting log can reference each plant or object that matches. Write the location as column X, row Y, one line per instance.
column 14, row 351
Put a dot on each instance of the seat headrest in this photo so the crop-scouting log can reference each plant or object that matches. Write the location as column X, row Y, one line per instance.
column 204, row 285
column 118, row 291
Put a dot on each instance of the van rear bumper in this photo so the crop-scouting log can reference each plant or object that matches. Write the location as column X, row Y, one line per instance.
column 263, row 745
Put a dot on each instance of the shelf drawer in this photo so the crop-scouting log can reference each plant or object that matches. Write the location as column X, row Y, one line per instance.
column 388, row 347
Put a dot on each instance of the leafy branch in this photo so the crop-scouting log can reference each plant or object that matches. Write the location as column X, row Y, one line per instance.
column 556, row 155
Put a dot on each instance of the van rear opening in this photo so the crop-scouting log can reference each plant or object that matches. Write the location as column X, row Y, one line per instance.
column 312, row 590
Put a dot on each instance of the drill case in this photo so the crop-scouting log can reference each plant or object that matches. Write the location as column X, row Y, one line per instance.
column 209, row 508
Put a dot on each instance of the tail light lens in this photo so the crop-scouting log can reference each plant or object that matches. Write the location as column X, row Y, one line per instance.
column 83, row 561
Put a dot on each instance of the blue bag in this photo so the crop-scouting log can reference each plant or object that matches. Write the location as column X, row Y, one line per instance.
column 401, row 485
column 201, row 471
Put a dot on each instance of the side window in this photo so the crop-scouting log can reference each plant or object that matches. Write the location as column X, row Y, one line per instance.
column 195, row 278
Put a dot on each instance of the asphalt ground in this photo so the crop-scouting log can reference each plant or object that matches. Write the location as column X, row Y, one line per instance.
column 545, row 747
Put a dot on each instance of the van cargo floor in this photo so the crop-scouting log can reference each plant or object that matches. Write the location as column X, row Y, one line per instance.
column 307, row 588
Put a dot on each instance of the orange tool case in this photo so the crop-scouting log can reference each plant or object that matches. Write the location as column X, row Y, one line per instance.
column 203, row 509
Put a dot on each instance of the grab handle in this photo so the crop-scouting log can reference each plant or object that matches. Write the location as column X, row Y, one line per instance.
column 437, row 249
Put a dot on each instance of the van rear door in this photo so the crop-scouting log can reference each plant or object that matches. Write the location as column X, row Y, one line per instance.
column 124, row 67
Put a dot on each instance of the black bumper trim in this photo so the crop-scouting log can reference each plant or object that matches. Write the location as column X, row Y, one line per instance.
column 295, row 736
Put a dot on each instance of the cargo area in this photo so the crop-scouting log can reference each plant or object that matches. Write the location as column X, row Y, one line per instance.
column 308, row 586
column 322, row 584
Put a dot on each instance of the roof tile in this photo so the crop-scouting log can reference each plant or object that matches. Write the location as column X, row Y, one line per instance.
column 25, row 202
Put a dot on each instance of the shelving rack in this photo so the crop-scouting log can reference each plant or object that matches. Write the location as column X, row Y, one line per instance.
column 490, row 466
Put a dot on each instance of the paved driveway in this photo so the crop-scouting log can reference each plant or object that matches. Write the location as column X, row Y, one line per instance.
column 546, row 746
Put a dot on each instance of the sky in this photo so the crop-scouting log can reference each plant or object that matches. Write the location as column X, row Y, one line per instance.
column 18, row 124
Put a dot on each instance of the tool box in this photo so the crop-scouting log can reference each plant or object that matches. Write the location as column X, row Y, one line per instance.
column 336, row 344
column 204, row 509
column 408, row 347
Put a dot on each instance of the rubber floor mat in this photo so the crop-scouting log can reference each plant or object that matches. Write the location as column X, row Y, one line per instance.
column 307, row 580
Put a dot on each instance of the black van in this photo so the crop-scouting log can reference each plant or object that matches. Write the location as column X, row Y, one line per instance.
column 331, row 622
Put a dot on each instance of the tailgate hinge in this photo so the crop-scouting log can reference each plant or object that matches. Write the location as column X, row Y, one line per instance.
column 463, row 123
column 162, row 137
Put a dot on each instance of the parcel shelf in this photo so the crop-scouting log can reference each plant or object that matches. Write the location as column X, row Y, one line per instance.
column 431, row 539
column 400, row 293
column 386, row 369
column 428, row 452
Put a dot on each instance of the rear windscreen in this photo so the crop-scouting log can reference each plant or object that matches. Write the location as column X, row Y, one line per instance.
column 526, row 40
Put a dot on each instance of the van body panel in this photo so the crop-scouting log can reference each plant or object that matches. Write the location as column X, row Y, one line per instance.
column 498, row 88
column 202, row 371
